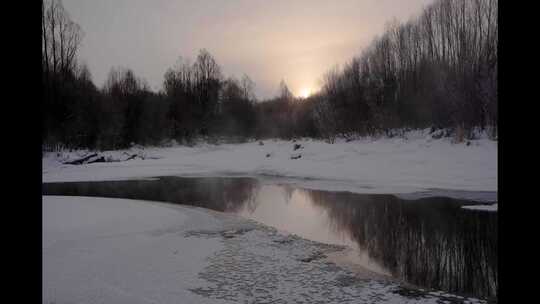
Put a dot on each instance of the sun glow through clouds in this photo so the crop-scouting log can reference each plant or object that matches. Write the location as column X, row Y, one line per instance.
column 305, row 92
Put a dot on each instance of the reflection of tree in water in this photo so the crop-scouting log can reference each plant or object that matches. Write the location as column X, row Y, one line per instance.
column 430, row 242
column 287, row 192
column 241, row 193
column 226, row 194
column 222, row 194
column 336, row 221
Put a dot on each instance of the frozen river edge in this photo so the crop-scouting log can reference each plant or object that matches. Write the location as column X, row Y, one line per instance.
column 416, row 166
column 101, row 250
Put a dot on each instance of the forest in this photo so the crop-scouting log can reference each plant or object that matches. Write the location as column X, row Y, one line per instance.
column 437, row 70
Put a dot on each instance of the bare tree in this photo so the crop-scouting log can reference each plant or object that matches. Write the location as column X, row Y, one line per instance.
column 61, row 38
column 284, row 91
column 248, row 88
column 208, row 80
column 437, row 69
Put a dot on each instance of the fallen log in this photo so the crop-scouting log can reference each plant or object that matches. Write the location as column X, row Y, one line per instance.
column 131, row 157
column 80, row 160
column 97, row 160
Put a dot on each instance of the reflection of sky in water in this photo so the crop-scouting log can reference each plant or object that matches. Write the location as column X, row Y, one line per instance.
column 295, row 215
column 427, row 241
column 294, row 212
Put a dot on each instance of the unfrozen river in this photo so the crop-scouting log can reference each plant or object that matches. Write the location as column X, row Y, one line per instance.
column 430, row 242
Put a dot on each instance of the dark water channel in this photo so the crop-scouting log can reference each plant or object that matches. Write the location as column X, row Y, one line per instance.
column 430, row 242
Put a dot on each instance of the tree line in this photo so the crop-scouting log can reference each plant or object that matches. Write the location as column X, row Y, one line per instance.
column 437, row 70
column 196, row 100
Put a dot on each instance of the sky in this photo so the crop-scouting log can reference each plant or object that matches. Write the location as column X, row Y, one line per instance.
column 294, row 40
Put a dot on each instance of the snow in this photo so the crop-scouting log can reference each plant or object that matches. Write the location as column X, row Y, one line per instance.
column 102, row 250
column 409, row 164
column 98, row 250
column 492, row 207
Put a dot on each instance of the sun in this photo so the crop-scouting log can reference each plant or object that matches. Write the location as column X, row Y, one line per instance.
column 305, row 92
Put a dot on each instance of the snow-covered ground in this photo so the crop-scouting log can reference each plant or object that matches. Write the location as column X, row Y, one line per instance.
column 98, row 250
column 492, row 207
column 415, row 163
column 102, row 250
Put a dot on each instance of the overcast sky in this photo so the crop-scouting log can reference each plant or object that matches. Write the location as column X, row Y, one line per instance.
column 269, row 40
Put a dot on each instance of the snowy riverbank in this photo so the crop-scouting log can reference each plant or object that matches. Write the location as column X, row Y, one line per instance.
column 101, row 250
column 369, row 165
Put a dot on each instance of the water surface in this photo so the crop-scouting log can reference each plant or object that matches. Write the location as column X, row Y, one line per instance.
column 428, row 241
